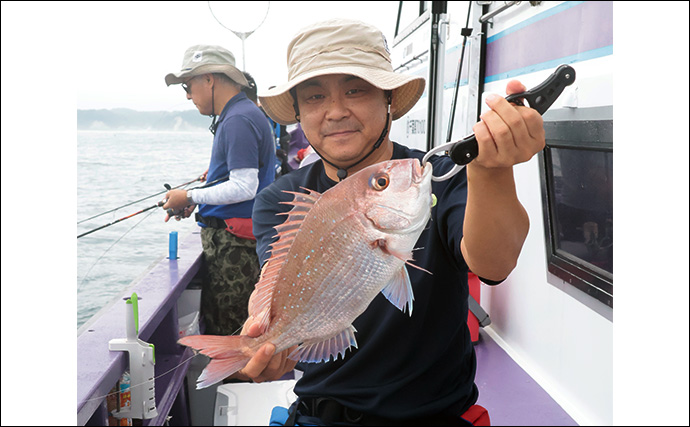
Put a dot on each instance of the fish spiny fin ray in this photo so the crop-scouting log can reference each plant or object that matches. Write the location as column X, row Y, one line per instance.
column 301, row 205
column 323, row 350
column 260, row 302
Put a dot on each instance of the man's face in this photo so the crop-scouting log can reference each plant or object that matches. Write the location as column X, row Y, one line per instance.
column 341, row 115
column 198, row 89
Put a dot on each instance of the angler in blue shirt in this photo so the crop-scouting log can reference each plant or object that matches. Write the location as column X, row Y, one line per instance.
column 243, row 163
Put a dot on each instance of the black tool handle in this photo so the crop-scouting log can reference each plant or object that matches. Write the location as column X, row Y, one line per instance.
column 540, row 98
column 464, row 151
column 543, row 96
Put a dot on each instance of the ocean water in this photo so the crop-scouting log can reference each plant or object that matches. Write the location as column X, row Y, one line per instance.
column 113, row 169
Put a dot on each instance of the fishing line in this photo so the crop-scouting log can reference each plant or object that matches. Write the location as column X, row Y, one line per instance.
column 137, row 201
column 109, row 248
column 196, row 353
column 159, row 204
column 120, row 238
column 144, row 383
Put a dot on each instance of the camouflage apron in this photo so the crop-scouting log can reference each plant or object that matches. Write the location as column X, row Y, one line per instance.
column 232, row 270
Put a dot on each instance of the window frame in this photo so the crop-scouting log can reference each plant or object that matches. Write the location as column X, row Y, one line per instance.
column 590, row 135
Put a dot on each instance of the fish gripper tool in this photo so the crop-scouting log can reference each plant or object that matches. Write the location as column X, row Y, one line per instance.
column 540, row 98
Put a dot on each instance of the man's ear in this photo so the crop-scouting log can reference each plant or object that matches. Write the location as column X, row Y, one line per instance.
column 389, row 101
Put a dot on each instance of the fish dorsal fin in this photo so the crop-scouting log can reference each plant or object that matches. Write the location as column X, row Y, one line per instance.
column 399, row 290
column 260, row 302
column 320, row 351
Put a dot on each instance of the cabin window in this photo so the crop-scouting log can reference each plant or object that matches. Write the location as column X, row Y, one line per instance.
column 410, row 15
column 577, row 189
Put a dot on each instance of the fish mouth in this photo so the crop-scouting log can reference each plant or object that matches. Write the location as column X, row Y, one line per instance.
column 422, row 174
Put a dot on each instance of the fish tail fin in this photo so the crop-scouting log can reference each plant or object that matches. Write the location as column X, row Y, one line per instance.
column 219, row 369
column 229, row 354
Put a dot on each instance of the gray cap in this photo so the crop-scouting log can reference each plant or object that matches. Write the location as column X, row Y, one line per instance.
column 204, row 59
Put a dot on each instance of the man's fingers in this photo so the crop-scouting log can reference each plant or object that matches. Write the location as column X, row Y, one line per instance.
column 515, row 86
column 254, row 330
column 276, row 363
column 258, row 363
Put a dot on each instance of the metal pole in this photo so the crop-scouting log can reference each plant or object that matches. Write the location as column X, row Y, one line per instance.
column 244, row 61
column 437, row 51
column 493, row 13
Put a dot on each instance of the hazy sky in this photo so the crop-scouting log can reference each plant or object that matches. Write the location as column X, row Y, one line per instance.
column 124, row 51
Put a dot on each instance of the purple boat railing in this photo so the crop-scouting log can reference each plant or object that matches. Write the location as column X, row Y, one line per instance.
column 99, row 369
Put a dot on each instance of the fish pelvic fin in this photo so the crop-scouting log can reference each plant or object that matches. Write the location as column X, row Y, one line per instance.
column 228, row 355
column 322, row 351
column 399, row 290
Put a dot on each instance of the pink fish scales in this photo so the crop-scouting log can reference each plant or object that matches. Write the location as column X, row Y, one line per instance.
column 335, row 252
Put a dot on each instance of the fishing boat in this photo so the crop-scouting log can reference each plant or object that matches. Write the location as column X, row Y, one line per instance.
column 544, row 337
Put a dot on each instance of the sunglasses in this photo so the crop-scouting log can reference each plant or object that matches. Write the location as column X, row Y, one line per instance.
column 187, row 86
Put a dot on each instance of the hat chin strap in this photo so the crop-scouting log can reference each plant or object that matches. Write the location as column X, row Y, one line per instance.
column 214, row 125
column 342, row 172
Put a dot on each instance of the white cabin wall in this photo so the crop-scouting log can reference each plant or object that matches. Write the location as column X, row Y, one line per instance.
column 559, row 335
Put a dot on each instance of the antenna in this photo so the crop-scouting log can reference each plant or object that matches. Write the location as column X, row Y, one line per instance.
column 242, row 18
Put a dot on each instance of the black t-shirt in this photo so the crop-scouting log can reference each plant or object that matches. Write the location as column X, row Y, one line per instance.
column 404, row 366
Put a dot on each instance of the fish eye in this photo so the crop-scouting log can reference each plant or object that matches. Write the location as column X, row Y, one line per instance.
column 380, row 181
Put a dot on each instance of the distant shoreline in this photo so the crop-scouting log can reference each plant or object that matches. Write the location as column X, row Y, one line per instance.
column 124, row 119
column 199, row 130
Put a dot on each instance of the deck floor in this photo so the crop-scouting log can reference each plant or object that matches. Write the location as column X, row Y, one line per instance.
column 510, row 395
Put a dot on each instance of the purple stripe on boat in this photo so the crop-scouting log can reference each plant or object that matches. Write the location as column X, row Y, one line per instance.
column 581, row 28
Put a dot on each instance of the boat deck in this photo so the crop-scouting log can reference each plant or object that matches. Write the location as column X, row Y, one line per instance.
column 512, row 397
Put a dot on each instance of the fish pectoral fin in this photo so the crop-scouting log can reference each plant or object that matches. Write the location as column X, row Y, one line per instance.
column 399, row 291
column 323, row 350
column 406, row 257
column 383, row 245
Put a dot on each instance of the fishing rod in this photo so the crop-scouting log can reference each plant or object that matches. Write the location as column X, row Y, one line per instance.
column 137, row 201
column 159, row 204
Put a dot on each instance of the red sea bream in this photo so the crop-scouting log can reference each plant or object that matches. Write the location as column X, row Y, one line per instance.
column 335, row 252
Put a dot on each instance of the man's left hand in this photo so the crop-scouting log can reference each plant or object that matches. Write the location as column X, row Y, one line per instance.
column 177, row 201
column 508, row 134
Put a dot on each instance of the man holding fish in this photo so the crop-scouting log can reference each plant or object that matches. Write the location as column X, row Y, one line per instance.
column 390, row 365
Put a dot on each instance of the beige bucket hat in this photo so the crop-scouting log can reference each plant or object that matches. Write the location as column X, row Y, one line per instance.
column 341, row 47
column 203, row 59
